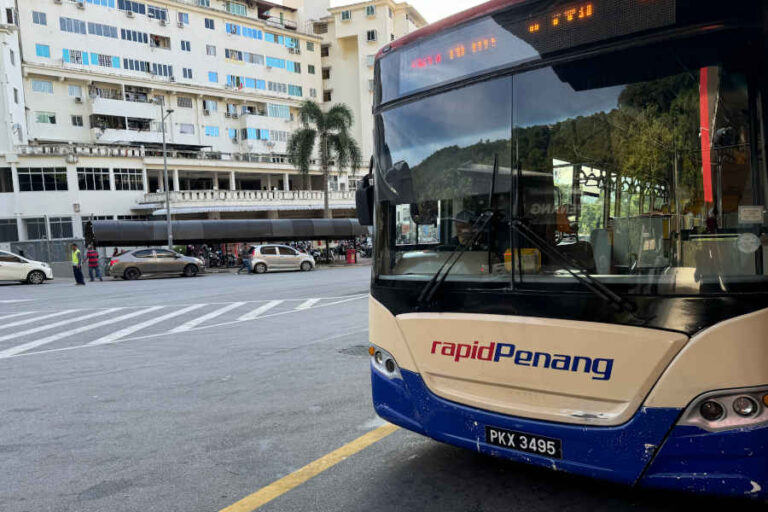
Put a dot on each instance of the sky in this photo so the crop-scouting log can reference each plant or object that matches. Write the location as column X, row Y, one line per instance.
column 432, row 10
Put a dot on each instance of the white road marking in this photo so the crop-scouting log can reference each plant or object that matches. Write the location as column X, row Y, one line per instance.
column 111, row 338
column 54, row 337
column 38, row 318
column 14, row 315
column 199, row 320
column 260, row 310
column 48, row 327
column 14, row 301
column 307, row 304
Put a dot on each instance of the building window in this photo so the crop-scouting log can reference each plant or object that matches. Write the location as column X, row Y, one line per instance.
column 186, row 46
column 280, row 111
column 135, row 36
column 370, row 10
column 13, row 57
column 44, row 86
column 390, row 12
column 128, row 179
column 6, row 181
column 370, row 60
column 213, row 77
column 36, row 229
column 43, row 50
column 327, row 96
column 72, row 25
column 8, row 231
column 184, row 18
column 130, row 5
column 325, row 50
column 209, row 24
column 310, row 46
column 326, row 73
column 370, row 36
column 91, row 178
column 346, row 15
column 391, row 37
column 77, row 121
column 158, row 13
column 211, row 131
column 184, row 102
column 97, row 29
column 61, row 227
column 237, row 8
column 15, row 95
column 187, row 72
column 210, row 105
column 186, row 129
column 39, row 18
column 45, row 117
column 75, row 91
column 311, row 69
column 35, row 179
column 210, row 50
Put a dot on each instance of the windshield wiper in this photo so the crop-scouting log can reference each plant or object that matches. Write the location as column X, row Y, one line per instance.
column 479, row 227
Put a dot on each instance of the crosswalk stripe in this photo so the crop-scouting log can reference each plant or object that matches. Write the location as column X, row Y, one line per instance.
column 54, row 325
column 111, row 338
column 260, row 310
column 54, row 337
column 14, row 315
column 38, row 318
column 308, row 304
column 213, row 314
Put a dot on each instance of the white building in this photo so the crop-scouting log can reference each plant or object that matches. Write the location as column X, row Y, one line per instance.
column 86, row 83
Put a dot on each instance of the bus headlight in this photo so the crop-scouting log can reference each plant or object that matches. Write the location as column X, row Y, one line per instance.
column 745, row 406
column 384, row 363
column 726, row 410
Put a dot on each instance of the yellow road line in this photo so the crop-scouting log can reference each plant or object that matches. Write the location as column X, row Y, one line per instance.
column 311, row 470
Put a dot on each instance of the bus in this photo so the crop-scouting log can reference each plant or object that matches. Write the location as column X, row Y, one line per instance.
column 569, row 207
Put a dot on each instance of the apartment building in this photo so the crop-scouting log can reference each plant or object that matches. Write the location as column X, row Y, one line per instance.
column 352, row 36
column 92, row 87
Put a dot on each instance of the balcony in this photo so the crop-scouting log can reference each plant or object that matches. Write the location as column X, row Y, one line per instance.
column 207, row 201
column 122, row 108
column 110, row 135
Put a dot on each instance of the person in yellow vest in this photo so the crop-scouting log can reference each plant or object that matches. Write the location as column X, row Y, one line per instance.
column 77, row 265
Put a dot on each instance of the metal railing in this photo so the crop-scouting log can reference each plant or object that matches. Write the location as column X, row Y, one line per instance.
column 203, row 196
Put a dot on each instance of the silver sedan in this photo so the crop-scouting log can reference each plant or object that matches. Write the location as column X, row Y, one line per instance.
column 134, row 264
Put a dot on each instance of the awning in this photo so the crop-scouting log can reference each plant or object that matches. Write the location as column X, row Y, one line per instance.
column 143, row 233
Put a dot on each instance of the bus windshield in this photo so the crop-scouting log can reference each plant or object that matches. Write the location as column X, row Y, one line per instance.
column 650, row 179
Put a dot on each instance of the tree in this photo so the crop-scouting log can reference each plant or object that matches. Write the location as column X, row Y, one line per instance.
column 330, row 130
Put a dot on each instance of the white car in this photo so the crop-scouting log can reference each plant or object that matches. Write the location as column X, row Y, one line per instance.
column 267, row 258
column 17, row 268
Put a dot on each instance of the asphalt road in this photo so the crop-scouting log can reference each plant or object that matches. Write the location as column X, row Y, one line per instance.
column 190, row 394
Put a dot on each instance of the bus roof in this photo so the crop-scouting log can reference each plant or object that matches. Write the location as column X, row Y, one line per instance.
column 451, row 21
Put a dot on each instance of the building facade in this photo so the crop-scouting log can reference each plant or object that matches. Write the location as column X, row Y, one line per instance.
column 93, row 87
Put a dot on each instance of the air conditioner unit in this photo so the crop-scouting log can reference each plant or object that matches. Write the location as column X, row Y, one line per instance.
column 181, row 24
column 206, row 112
column 234, row 140
column 163, row 22
column 227, row 115
column 172, row 79
column 129, row 14
column 81, row 5
column 78, row 99
column 72, row 159
column 269, row 68
column 235, row 115
column 57, row 1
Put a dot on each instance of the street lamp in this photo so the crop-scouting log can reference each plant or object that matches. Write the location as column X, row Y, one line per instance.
column 169, row 228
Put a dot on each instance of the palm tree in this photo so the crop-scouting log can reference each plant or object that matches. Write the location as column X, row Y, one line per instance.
column 331, row 133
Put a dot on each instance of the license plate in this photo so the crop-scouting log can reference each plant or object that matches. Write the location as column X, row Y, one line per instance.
column 523, row 442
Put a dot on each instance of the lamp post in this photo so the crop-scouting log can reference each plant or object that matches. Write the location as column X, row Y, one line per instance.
column 169, row 228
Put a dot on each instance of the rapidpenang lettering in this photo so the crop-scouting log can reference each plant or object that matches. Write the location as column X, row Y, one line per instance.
column 599, row 368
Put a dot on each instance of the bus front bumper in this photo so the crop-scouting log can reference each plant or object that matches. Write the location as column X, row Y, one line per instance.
column 649, row 450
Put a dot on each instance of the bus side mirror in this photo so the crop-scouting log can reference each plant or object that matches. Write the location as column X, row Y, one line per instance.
column 364, row 201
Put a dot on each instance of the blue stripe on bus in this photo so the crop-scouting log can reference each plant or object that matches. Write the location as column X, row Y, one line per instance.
column 689, row 459
column 734, row 462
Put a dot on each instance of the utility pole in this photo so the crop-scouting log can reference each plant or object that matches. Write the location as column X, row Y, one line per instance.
column 169, row 228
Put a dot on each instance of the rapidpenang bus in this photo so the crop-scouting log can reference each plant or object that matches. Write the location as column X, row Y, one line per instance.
column 569, row 208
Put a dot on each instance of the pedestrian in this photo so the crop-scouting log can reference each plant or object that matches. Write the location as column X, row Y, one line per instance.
column 246, row 260
column 93, row 263
column 77, row 265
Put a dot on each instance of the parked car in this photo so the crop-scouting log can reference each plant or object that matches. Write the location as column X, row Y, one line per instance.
column 141, row 262
column 267, row 258
column 18, row 268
